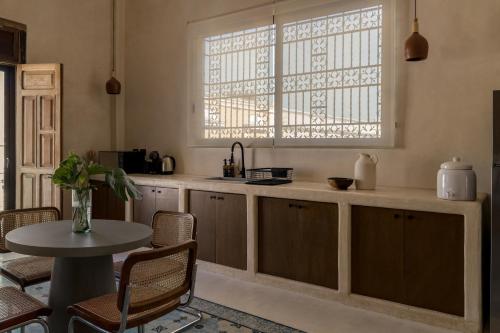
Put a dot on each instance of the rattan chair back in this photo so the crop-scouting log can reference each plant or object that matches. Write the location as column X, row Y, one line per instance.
column 172, row 228
column 16, row 218
column 154, row 278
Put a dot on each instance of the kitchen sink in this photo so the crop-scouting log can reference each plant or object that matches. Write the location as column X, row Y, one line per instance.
column 229, row 179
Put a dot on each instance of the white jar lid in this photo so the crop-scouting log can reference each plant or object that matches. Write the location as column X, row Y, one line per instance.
column 456, row 164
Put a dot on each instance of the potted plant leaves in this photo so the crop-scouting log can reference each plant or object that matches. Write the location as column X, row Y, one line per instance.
column 75, row 172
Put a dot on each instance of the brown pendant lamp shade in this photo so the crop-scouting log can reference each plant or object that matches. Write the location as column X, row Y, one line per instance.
column 113, row 86
column 416, row 46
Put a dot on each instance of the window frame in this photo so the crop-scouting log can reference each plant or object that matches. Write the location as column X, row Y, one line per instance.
column 284, row 12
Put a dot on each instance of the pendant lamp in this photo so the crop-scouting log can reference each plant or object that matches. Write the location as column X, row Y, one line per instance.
column 113, row 86
column 416, row 46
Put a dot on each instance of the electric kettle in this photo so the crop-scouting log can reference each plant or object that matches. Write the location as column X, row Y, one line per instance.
column 167, row 165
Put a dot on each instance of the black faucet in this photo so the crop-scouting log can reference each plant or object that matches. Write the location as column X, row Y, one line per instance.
column 242, row 158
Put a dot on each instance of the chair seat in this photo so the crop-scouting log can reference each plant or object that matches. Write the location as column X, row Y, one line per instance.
column 103, row 312
column 28, row 270
column 17, row 307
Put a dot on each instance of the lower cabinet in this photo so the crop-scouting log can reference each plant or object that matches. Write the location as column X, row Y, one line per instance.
column 410, row 257
column 298, row 240
column 153, row 200
column 222, row 227
column 105, row 204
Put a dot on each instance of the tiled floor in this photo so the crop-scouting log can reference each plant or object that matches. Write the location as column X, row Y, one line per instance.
column 300, row 311
column 296, row 310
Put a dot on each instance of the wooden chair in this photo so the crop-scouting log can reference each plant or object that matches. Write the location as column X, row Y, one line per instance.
column 151, row 285
column 18, row 310
column 169, row 228
column 28, row 270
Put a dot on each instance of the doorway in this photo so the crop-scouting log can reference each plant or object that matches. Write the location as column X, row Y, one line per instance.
column 7, row 138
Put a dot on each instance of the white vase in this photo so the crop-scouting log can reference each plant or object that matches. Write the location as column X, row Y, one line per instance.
column 365, row 172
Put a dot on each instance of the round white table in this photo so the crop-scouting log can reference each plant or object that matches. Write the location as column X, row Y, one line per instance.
column 83, row 266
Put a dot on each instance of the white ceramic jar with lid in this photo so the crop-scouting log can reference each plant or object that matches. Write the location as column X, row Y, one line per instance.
column 456, row 181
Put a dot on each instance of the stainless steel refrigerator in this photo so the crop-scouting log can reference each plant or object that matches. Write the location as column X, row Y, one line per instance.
column 494, row 267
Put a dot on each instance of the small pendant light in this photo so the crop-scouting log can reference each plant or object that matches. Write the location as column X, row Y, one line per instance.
column 416, row 46
column 113, row 86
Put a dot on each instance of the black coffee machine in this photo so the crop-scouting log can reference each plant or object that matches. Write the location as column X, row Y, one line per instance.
column 153, row 164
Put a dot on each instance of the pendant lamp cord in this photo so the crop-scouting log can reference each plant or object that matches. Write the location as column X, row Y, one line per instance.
column 415, row 13
column 274, row 9
column 113, row 30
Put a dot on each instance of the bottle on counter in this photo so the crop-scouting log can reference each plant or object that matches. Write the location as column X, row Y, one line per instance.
column 365, row 172
column 230, row 169
column 225, row 168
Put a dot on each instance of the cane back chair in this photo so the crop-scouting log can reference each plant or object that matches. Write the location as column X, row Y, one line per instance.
column 151, row 285
column 18, row 310
column 29, row 270
column 169, row 228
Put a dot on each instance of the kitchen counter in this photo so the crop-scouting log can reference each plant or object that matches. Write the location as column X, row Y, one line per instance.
column 424, row 200
column 391, row 197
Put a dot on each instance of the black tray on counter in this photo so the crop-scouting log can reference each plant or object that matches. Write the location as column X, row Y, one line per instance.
column 269, row 181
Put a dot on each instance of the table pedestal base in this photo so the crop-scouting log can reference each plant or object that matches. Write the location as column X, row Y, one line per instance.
column 74, row 280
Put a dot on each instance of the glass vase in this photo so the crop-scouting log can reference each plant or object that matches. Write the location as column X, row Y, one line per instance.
column 82, row 210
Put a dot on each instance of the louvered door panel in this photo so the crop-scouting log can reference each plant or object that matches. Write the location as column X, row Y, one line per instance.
column 38, row 123
column 28, row 190
column 29, row 131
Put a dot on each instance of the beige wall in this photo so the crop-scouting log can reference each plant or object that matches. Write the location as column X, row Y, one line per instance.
column 77, row 34
column 447, row 107
column 448, row 99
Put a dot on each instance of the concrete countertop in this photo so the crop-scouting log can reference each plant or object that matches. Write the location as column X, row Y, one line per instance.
column 397, row 197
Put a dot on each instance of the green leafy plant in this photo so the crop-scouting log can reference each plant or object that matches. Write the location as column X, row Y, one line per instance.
column 75, row 172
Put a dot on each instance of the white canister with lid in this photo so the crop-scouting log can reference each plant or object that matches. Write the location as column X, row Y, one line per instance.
column 456, row 181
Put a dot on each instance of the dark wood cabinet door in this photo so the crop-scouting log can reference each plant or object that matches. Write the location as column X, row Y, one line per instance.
column 434, row 261
column 99, row 200
column 278, row 239
column 203, row 205
column 145, row 208
column 231, row 230
column 105, row 204
column 377, row 252
column 298, row 240
column 167, row 199
column 316, row 261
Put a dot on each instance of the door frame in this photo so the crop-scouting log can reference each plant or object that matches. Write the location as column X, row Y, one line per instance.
column 10, row 136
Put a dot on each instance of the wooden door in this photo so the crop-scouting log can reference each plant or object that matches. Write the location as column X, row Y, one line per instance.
column 231, row 230
column 145, row 208
column 167, row 199
column 434, row 261
column 377, row 252
column 105, row 204
column 38, row 134
column 278, row 240
column 298, row 240
column 317, row 260
column 99, row 200
column 203, row 205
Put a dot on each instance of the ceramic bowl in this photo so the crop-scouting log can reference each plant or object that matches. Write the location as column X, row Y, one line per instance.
column 340, row 183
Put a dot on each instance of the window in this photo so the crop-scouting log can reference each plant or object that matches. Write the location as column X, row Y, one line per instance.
column 320, row 75
column 239, row 84
column 331, row 76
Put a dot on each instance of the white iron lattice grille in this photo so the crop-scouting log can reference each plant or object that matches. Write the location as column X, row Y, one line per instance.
column 239, row 84
column 331, row 86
